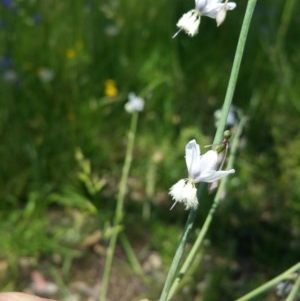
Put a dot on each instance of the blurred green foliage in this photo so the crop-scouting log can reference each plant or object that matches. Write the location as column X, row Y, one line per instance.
column 63, row 138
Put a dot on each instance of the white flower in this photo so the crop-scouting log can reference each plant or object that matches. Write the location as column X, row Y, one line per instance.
column 215, row 9
column 10, row 76
column 46, row 75
column 211, row 8
column 200, row 169
column 189, row 22
column 232, row 117
column 184, row 191
column 134, row 103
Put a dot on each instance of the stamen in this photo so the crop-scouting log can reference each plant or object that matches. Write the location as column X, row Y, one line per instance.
column 176, row 33
column 173, row 205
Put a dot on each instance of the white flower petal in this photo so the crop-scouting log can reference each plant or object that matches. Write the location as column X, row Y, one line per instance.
column 212, row 175
column 211, row 8
column 212, row 11
column 231, row 6
column 208, row 161
column 192, row 157
column 199, row 4
column 131, row 96
column 221, row 15
column 134, row 103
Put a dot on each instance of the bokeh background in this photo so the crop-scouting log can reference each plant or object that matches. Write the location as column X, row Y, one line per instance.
column 66, row 68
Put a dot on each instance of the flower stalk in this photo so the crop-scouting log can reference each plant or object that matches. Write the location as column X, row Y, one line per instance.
column 178, row 254
column 198, row 243
column 118, row 217
column 217, row 139
column 235, row 70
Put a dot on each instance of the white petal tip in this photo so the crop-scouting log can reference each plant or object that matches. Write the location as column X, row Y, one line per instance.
column 231, row 6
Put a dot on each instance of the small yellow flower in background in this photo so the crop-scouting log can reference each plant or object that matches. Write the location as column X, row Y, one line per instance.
column 110, row 88
column 71, row 54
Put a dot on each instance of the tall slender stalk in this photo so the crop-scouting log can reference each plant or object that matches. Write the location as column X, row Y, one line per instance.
column 174, row 265
column 235, row 70
column 217, row 139
column 118, row 217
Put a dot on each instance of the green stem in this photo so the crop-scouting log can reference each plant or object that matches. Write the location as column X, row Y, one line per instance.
column 269, row 284
column 150, row 187
column 280, row 59
column 235, row 70
column 119, row 207
column 198, row 243
column 131, row 255
column 294, row 291
column 174, row 265
column 288, row 10
column 178, row 254
column 217, row 139
column 126, row 168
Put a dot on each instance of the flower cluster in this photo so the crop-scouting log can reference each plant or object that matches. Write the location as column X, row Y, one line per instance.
column 200, row 169
column 215, row 9
column 134, row 103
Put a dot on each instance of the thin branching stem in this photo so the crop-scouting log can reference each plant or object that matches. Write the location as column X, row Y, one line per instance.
column 118, row 217
column 295, row 290
column 266, row 286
